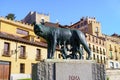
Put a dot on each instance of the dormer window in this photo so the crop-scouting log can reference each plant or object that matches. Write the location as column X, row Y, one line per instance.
column 23, row 32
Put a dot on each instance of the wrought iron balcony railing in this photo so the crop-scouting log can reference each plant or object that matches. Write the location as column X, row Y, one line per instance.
column 38, row 58
column 110, row 49
column 23, row 55
column 6, row 53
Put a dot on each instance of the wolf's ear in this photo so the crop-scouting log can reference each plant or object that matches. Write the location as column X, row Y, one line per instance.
column 33, row 23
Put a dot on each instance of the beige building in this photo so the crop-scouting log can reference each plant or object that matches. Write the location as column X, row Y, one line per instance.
column 105, row 49
column 113, row 51
column 96, row 42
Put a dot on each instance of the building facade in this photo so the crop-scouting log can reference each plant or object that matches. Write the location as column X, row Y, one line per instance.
column 36, row 17
column 105, row 49
column 20, row 48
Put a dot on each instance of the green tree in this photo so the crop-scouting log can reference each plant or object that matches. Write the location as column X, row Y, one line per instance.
column 11, row 16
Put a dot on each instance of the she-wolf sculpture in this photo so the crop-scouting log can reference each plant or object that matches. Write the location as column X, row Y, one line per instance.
column 61, row 36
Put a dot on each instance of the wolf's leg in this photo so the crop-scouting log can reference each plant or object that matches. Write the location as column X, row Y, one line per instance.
column 49, row 50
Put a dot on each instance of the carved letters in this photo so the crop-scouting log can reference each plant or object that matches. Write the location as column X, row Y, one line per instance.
column 74, row 77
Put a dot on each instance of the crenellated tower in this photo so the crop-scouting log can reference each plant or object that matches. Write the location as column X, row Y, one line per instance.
column 36, row 17
column 88, row 25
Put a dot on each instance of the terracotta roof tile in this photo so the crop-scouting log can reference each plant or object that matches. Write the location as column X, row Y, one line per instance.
column 12, row 37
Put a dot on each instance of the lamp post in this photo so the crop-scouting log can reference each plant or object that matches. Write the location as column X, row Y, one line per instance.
column 16, row 51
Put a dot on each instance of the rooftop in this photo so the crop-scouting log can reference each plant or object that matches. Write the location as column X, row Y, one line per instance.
column 15, row 38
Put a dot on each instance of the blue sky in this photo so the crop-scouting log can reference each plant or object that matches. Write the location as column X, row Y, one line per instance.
column 66, row 11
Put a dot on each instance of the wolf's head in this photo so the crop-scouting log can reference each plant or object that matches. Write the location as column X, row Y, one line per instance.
column 38, row 29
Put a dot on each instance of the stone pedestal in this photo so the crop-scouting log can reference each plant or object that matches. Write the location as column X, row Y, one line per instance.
column 51, row 69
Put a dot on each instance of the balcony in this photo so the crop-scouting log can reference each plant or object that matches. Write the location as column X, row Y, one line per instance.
column 97, row 51
column 93, row 49
column 110, row 49
column 6, row 53
column 111, row 57
column 23, row 55
column 115, row 50
column 38, row 58
column 100, row 52
column 103, row 52
column 96, row 32
column 116, row 58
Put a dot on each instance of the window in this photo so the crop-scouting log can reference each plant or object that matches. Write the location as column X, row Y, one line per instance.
column 23, row 32
column 93, row 38
column 6, row 51
column 94, row 56
column 117, row 65
column 89, row 37
column 93, row 48
column 110, row 48
column 100, row 42
column 111, row 65
column 38, row 54
column 103, row 51
column 90, row 46
column 101, row 59
column 97, row 49
column 96, row 29
column 97, row 58
column 22, row 68
column 78, row 26
column 100, row 51
column 104, row 60
column 115, row 49
column 22, row 52
column 111, row 56
column 96, row 40
column 59, row 56
column 103, row 43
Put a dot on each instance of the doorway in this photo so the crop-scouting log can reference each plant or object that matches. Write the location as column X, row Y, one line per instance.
column 4, row 70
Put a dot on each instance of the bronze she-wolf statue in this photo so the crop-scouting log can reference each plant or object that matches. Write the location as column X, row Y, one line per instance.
column 62, row 36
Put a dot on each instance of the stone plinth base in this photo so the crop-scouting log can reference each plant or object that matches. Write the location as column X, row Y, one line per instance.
column 113, row 74
column 52, row 69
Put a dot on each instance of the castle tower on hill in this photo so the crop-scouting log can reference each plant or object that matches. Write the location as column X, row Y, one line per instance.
column 36, row 17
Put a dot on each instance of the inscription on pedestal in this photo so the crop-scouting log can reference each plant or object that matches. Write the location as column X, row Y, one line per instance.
column 73, row 71
column 74, row 77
